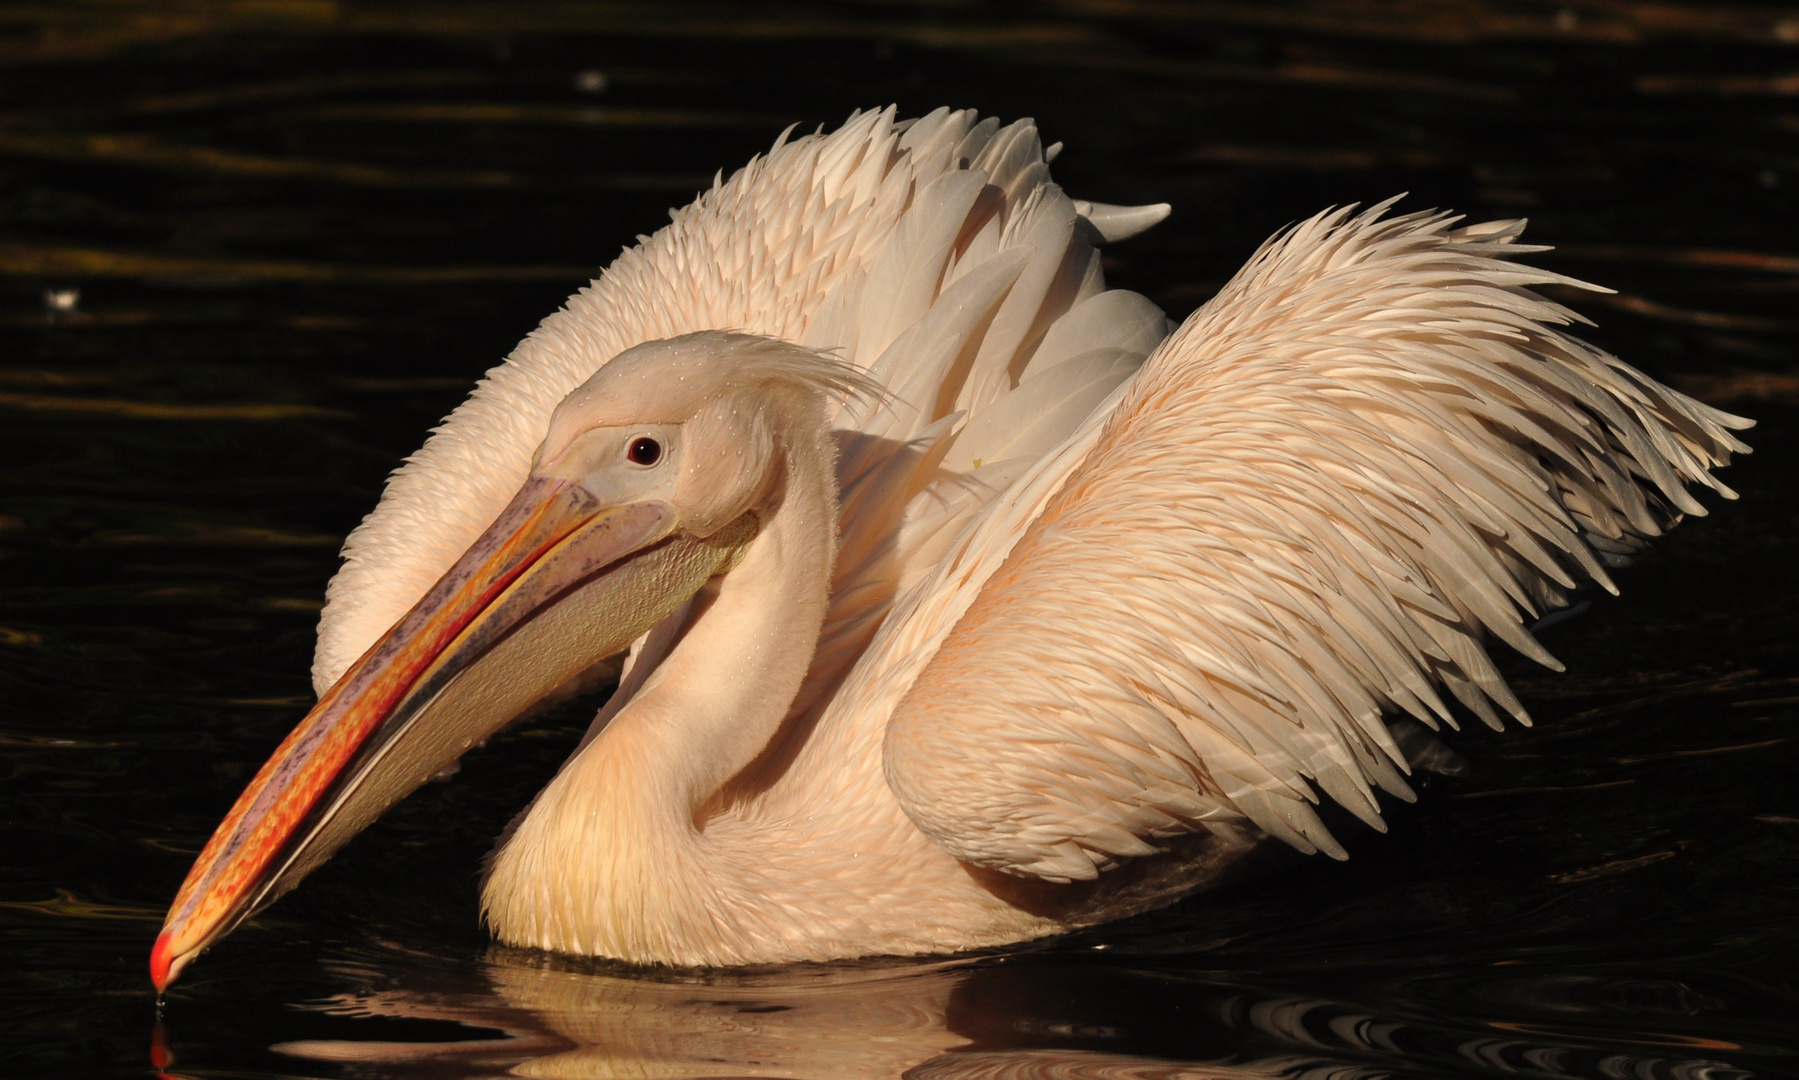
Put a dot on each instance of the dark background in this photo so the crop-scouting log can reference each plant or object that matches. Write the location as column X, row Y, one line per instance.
column 300, row 229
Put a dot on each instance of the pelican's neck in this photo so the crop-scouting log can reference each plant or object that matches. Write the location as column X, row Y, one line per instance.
column 712, row 705
column 590, row 864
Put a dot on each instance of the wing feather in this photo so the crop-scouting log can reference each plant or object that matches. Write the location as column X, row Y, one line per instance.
column 1374, row 449
column 934, row 253
column 1116, row 319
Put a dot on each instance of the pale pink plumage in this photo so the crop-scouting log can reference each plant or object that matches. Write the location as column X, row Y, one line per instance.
column 1088, row 612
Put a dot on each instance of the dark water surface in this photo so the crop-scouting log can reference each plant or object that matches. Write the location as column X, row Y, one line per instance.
column 301, row 228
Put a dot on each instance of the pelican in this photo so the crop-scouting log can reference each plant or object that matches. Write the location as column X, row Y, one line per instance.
column 963, row 599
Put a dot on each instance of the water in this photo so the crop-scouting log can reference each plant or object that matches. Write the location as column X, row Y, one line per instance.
column 299, row 230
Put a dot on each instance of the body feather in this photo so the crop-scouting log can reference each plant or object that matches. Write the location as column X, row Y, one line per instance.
column 1372, row 451
column 1100, row 591
column 934, row 254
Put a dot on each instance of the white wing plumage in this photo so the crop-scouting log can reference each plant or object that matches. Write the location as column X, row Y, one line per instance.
column 1374, row 448
column 935, row 254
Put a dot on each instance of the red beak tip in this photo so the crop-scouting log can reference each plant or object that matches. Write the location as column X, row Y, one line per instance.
column 161, row 962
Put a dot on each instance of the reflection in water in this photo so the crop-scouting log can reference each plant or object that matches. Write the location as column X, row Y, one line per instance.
column 1004, row 1018
column 848, row 1021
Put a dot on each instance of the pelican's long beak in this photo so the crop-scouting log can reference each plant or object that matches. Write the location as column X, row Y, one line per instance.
column 556, row 584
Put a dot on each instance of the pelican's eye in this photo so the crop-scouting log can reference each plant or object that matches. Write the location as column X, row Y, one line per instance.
column 644, row 451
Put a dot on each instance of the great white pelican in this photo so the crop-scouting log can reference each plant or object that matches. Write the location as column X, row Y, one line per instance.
column 966, row 600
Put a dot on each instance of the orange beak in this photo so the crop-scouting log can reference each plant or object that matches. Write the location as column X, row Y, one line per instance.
column 556, row 584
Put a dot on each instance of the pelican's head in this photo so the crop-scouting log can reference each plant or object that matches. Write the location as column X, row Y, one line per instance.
column 696, row 425
column 652, row 478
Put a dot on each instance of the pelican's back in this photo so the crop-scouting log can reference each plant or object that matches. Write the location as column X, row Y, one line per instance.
column 935, row 254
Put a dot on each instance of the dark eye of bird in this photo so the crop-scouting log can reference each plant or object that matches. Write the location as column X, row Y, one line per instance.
column 644, row 451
